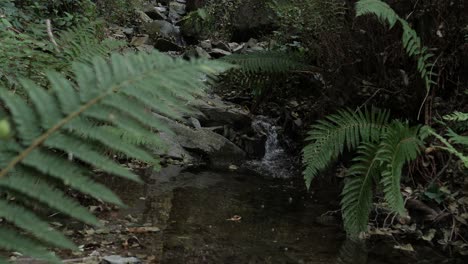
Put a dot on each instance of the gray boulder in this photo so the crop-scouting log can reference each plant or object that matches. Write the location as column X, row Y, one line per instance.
column 219, row 151
column 216, row 112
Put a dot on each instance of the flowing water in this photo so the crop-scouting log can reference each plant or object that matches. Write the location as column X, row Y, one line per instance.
column 275, row 163
column 243, row 217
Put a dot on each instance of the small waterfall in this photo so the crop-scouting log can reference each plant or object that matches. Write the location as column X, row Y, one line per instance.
column 275, row 161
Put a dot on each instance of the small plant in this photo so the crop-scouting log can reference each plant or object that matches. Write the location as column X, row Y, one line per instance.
column 383, row 148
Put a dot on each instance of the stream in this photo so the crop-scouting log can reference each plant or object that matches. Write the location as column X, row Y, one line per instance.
column 251, row 216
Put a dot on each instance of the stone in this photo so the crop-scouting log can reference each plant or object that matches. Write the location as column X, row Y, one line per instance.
column 128, row 31
column 236, row 47
column 161, row 28
column 156, row 13
column 140, row 40
column 206, row 44
column 195, row 122
column 176, row 11
column 115, row 259
column 216, row 112
column 218, row 53
column 145, row 48
column 222, row 45
column 142, row 17
column 252, row 17
column 197, row 52
column 164, row 45
column 219, row 151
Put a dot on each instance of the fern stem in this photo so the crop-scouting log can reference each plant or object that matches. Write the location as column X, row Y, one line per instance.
column 41, row 139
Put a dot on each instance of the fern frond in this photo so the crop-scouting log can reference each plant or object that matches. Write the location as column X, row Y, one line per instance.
column 346, row 128
column 357, row 192
column 80, row 44
column 379, row 8
column 456, row 138
column 28, row 221
column 266, row 62
column 449, row 147
column 411, row 41
column 456, row 117
column 76, row 117
column 14, row 242
column 400, row 144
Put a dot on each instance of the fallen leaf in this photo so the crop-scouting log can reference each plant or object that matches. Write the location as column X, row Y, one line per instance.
column 235, row 218
column 143, row 229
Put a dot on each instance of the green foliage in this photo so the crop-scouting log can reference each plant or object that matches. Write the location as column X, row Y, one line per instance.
column 76, row 117
column 329, row 137
column 314, row 26
column 267, row 62
column 198, row 23
column 457, row 139
column 64, row 13
column 383, row 148
column 457, row 117
column 411, row 41
column 259, row 70
column 119, row 12
column 33, row 54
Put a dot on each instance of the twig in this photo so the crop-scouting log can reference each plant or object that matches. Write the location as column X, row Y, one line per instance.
column 51, row 35
column 368, row 99
column 428, row 89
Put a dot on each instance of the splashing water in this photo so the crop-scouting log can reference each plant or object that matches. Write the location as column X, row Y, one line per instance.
column 275, row 160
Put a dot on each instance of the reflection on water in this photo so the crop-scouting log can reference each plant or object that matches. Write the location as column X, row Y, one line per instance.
column 213, row 217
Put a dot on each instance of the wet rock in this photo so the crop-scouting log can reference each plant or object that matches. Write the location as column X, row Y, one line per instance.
column 254, row 146
column 166, row 45
column 220, row 151
column 115, row 259
column 216, row 112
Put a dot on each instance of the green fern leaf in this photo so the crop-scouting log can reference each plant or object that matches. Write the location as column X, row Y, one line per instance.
column 14, row 242
column 457, row 117
column 266, row 62
column 400, row 144
column 449, row 147
column 28, row 221
column 328, row 137
column 381, row 9
column 411, row 41
column 28, row 184
column 357, row 192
